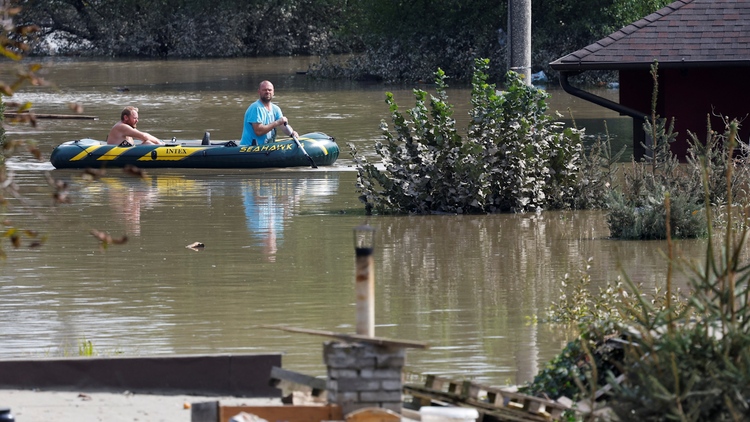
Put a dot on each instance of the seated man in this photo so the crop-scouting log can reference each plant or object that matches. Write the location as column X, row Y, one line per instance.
column 262, row 118
column 125, row 131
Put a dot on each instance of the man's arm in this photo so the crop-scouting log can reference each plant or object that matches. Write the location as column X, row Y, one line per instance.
column 126, row 130
column 260, row 129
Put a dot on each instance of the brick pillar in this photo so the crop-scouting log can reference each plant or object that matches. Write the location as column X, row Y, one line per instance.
column 364, row 375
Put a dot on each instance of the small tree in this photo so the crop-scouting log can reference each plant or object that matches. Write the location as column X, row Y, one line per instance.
column 637, row 211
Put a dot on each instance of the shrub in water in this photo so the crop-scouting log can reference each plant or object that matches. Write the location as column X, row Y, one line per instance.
column 637, row 210
column 515, row 157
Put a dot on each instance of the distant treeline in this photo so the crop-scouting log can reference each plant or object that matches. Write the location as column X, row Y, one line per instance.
column 394, row 40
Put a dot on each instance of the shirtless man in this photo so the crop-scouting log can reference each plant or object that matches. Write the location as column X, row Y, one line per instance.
column 125, row 130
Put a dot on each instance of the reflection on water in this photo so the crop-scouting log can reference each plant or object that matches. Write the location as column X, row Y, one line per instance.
column 264, row 209
column 127, row 202
column 270, row 202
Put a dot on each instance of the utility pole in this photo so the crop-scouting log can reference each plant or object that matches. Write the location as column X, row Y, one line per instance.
column 519, row 32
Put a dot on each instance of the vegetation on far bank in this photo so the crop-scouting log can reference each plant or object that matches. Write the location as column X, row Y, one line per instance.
column 391, row 40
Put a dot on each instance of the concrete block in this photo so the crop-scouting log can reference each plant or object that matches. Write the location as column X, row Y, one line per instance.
column 348, row 362
column 390, row 361
column 380, row 396
column 382, row 373
column 358, row 384
column 336, row 373
column 391, row 385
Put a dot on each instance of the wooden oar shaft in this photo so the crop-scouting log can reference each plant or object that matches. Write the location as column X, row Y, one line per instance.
column 352, row 337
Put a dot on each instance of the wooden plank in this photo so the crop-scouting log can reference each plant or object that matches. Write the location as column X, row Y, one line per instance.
column 470, row 390
column 430, row 382
column 556, row 413
column 11, row 115
column 318, row 385
column 496, row 398
column 453, row 388
column 354, row 338
column 330, row 412
column 534, row 408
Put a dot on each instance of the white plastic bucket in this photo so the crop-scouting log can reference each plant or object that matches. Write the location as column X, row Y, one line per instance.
column 447, row 414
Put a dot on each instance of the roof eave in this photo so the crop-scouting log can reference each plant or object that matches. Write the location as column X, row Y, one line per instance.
column 582, row 67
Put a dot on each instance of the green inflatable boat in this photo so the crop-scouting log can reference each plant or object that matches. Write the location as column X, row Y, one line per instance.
column 311, row 150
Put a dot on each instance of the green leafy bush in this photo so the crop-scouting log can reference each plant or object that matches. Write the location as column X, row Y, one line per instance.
column 515, row 157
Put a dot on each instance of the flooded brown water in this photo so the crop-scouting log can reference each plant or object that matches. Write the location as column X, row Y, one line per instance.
column 278, row 243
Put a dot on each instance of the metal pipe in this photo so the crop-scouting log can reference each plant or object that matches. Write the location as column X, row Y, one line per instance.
column 364, row 284
column 577, row 92
column 519, row 31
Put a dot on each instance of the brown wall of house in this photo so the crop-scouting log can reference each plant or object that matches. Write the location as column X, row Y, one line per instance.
column 688, row 95
column 635, row 92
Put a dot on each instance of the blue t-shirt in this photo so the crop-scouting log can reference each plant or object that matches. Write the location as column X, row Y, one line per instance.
column 257, row 113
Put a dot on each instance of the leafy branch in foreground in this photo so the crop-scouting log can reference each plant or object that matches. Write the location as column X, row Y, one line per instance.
column 14, row 43
column 695, row 366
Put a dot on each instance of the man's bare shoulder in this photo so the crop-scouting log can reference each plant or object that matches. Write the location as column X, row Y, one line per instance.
column 118, row 133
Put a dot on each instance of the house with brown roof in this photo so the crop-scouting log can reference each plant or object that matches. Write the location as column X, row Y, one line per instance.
column 703, row 51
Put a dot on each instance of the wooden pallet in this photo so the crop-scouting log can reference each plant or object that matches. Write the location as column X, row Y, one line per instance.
column 502, row 404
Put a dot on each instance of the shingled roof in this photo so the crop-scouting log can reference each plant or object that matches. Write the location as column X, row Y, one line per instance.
column 685, row 33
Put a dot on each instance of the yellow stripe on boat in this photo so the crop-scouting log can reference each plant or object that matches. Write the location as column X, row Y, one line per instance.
column 112, row 154
column 83, row 154
column 315, row 142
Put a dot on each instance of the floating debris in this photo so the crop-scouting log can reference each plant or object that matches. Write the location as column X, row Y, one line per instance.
column 196, row 246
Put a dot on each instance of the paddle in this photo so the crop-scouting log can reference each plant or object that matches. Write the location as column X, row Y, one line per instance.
column 300, row 146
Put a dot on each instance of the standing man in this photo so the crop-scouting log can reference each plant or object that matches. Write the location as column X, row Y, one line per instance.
column 125, row 131
column 262, row 118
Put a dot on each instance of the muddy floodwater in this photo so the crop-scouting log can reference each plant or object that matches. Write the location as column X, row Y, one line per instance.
column 278, row 243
